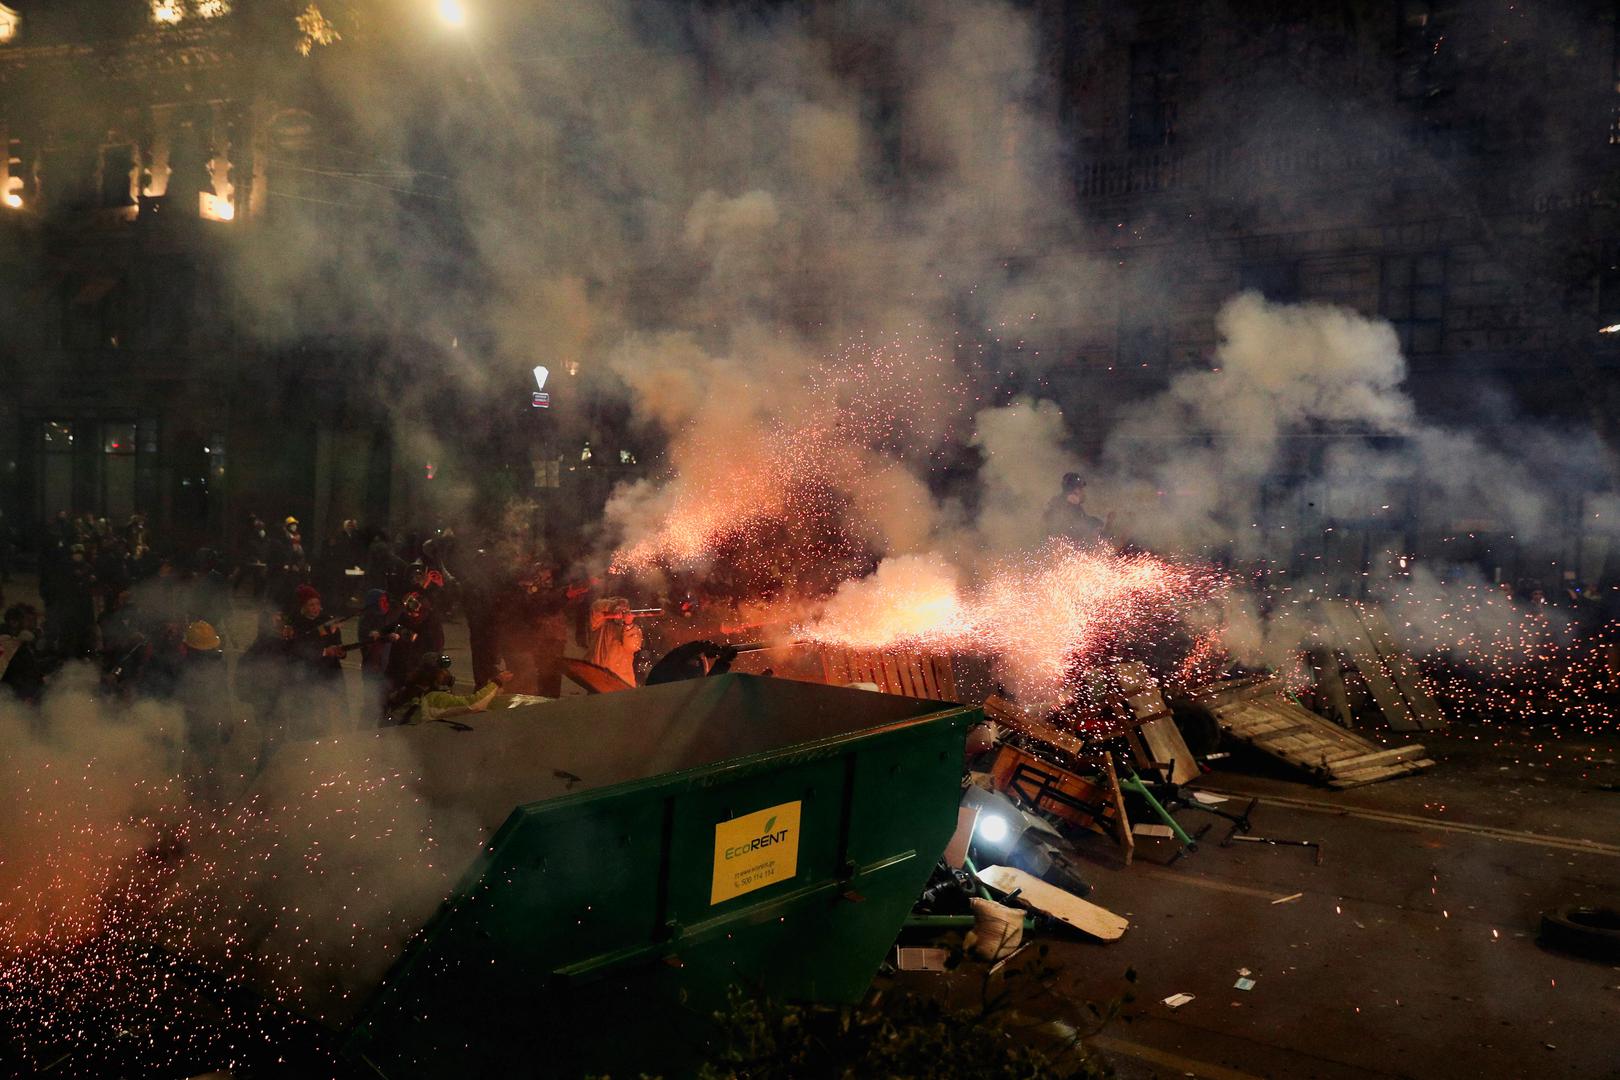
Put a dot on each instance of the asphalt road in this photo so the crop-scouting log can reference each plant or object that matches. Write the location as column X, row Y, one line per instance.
column 1410, row 952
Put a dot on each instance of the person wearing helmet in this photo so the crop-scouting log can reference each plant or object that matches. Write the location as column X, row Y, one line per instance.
column 204, row 694
column 289, row 566
column 1066, row 514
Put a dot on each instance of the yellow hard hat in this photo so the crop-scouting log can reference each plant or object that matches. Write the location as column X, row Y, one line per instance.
column 201, row 637
column 290, row 520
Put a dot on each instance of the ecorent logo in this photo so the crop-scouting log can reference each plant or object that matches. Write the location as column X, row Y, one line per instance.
column 768, row 836
column 755, row 850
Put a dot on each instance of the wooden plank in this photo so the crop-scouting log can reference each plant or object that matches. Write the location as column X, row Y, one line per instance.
column 1005, row 712
column 1331, row 694
column 908, row 684
column 1394, row 753
column 1402, row 671
column 930, row 683
column 1346, row 625
column 1122, row 820
column 1405, row 768
column 1143, row 760
column 946, row 673
column 915, row 664
column 891, row 675
column 1261, row 725
column 1164, row 742
column 1281, row 728
column 1231, row 691
column 1353, row 770
column 1065, row 907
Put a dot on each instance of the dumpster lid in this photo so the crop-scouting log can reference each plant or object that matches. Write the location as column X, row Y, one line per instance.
column 572, row 745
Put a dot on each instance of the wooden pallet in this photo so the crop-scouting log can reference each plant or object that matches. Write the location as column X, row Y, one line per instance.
column 909, row 674
column 1388, row 675
column 1166, row 752
column 1256, row 711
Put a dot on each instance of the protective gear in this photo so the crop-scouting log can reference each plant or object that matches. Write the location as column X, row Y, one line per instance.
column 306, row 593
column 201, row 637
column 290, row 522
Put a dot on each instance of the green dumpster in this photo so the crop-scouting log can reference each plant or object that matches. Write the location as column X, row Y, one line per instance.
column 655, row 848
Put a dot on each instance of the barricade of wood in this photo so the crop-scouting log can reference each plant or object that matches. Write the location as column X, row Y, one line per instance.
column 909, row 673
column 1256, row 710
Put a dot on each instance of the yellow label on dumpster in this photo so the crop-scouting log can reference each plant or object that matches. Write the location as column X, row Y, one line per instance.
column 754, row 851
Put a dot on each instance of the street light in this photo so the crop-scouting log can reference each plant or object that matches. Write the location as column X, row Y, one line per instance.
column 453, row 13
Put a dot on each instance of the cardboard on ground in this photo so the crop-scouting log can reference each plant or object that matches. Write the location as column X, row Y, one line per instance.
column 1063, row 906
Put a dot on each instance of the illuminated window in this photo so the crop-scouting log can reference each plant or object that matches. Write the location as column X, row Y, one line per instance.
column 168, row 12
column 213, row 9
column 10, row 22
column 57, row 436
column 117, row 438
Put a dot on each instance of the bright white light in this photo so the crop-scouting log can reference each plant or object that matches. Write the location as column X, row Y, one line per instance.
column 453, row 13
column 992, row 829
column 1612, row 328
column 167, row 12
column 540, row 375
column 14, row 200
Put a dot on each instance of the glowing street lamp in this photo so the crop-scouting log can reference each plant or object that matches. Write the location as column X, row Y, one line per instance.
column 452, row 13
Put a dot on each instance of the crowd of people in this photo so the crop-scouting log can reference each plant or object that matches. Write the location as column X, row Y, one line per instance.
column 156, row 623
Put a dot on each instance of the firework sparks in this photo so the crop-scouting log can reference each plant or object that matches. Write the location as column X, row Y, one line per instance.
column 825, row 476
column 1048, row 616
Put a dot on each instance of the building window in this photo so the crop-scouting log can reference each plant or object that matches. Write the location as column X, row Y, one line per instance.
column 56, row 466
column 1154, row 94
column 118, row 470
column 1277, row 281
column 56, row 436
column 1412, row 296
